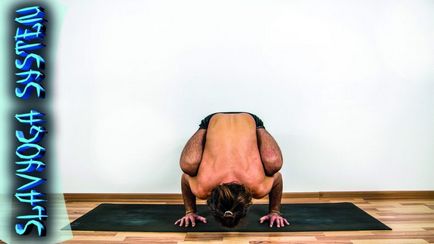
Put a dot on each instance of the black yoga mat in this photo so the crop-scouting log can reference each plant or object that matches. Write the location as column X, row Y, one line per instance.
column 161, row 218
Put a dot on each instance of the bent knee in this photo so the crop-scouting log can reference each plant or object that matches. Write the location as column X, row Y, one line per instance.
column 272, row 159
column 189, row 168
column 272, row 165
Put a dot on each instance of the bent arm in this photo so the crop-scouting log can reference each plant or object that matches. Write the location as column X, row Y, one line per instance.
column 275, row 195
column 191, row 155
column 187, row 195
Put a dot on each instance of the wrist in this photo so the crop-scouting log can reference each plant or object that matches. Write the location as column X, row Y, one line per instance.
column 189, row 212
column 275, row 212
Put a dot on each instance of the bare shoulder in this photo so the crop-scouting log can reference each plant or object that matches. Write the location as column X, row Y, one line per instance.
column 263, row 189
column 198, row 188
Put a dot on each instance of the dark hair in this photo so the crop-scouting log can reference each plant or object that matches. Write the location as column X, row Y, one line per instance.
column 229, row 203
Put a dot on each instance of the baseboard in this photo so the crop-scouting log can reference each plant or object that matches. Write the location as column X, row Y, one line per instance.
column 380, row 194
column 116, row 197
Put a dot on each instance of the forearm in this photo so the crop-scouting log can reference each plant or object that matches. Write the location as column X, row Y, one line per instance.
column 187, row 195
column 275, row 195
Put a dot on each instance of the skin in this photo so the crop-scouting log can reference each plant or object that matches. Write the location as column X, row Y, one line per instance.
column 232, row 149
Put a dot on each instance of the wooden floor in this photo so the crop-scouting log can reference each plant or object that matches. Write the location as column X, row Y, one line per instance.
column 412, row 221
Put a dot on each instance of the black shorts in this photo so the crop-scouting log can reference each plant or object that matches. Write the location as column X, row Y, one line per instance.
column 204, row 123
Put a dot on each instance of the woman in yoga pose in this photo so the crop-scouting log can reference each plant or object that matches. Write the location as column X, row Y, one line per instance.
column 228, row 161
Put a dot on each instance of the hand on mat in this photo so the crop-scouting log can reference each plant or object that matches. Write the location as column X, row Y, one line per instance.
column 190, row 218
column 274, row 218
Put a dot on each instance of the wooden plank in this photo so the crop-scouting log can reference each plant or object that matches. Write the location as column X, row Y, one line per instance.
column 391, row 241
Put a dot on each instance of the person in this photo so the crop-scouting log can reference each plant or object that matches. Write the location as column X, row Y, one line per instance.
column 228, row 161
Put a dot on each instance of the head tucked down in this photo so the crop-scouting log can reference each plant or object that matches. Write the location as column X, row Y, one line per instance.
column 229, row 203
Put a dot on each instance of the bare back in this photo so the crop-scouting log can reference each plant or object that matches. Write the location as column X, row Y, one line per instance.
column 231, row 155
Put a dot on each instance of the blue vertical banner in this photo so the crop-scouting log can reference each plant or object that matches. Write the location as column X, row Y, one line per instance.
column 33, row 208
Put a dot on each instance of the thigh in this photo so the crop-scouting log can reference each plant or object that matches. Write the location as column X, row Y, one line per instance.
column 191, row 155
column 269, row 150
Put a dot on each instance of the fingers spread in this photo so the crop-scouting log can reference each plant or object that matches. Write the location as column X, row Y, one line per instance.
column 261, row 220
column 272, row 221
column 286, row 221
column 193, row 222
column 176, row 223
column 200, row 218
column 281, row 222
column 182, row 222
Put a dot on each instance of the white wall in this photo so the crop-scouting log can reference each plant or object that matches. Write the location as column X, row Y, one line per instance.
column 345, row 87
